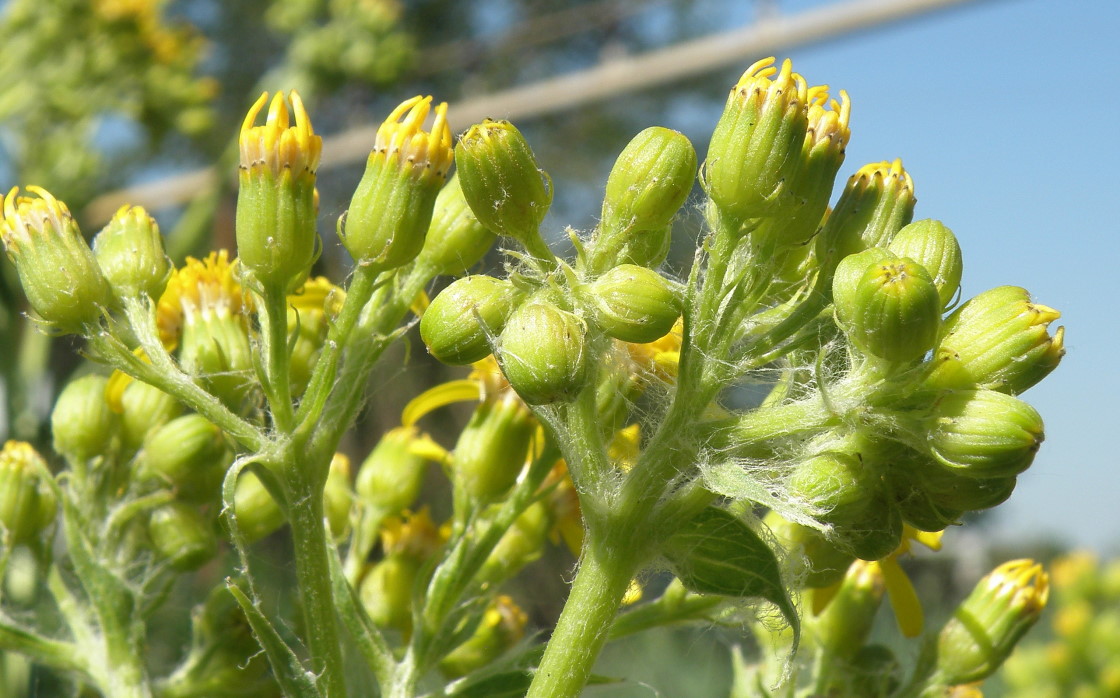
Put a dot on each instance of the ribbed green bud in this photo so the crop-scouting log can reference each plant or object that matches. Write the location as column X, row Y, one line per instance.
column 825, row 563
column 182, row 535
column 456, row 240
column 386, row 591
column 189, row 453
column 998, row 340
column 845, row 624
column 502, row 627
column 838, row 485
column 846, row 280
column 338, row 497
column 505, row 187
column 276, row 201
column 949, row 489
column 894, row 310
column 931, row 244
column 542, row 353
column 82, row 423
column 987, row 625
column 391, row 209
column 391, row 475
column 492, row 448
column 143, row 409
column 633, row 303
column 877, row 202
column 56, row 268
column 458, row 323
column 257, row 512
column 129, row 251
column 983, row 433
column 755, row 149
column 27, row 503
column 907, row 480
column 522, row 543
column 650, row 181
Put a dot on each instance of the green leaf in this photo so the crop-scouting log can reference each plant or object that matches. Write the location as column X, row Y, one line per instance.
column 290, row 674
column 717, row 553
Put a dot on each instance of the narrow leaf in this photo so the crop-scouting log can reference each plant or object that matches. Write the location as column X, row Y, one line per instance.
column 290, row 674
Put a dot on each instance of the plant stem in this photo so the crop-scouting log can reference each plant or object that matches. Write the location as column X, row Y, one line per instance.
column 275, row 339
column 313, row 576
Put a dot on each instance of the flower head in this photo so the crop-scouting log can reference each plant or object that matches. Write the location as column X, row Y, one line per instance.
column 401, row 140
column 279, row 145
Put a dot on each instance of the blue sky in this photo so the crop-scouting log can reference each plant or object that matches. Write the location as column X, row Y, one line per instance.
column 1006, row 114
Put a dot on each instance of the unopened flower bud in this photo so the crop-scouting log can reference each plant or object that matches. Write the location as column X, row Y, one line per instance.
column 458, row 323
column 82, row 423
column 189, row 453
column 257, row 512
column 983, row 433
column 502, row 627
column 182, row 535
column 845, row 281
column 838, row 485
column 894, row 310
column 505, row 187
column 56, row 268
column 650, row 181
column 522, row 543
column 931, row 244
column 756, row 146
column 824, row 562
column 845, row 624
column 276, row 202
column 337, row 496
column 143, row 409
column 27, row 503
column 988, row 624
column 492, row 448
column 998, row 340
column 456, row 240
column 386, row 591
column 634, row 304
column 390, row 477
column 310, row 311
column 129, row 251
column 877, row 202
column 392, row 206
column 542, row 352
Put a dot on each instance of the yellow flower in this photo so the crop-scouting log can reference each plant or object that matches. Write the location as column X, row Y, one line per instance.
column 401, row 140
column 279, row 146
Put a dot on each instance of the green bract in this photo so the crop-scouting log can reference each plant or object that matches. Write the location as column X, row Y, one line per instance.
column 633, row 303
column 456, row 240
column 983, row 433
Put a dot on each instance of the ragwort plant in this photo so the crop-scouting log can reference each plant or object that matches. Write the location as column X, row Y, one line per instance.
column 607, row 414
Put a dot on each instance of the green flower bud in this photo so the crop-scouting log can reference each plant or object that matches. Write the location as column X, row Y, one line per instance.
column 391, row 475
column 257, row 512
column 983, row 433
column 392, row 206
column 931, row 244
column 634, row 304
column 337, row 496
column 309, row 314
column 915, row 503
column 845, row 624
column 83, row 425
column 756, row 146
column 894, row 310
column 276, row 202
column 27, row 502
column 846, row 279
column 386, row 591
column 505, row 187
column 988, row 624
column 492, row 448
column 456, row 240
column 877, row 202
column 824, row 563
column 521, row 544
column 129, row 251
column 458, row 323
column 144, row 408
column 998, row 340
column 880, row 532
column 542, row 352
column 502, row 627
column 182, row 535
column 650, row 181
column 836, row 484
column 56, row 268
column 189, row 453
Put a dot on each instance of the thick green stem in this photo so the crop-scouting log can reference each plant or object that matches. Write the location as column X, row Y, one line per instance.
column 604, row 574
column 275, row 339
column 313, row 576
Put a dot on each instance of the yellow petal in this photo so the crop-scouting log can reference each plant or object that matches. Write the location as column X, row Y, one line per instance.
column 904, row 600
column 822, row 596
column 439, row 396
column 420, row 303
